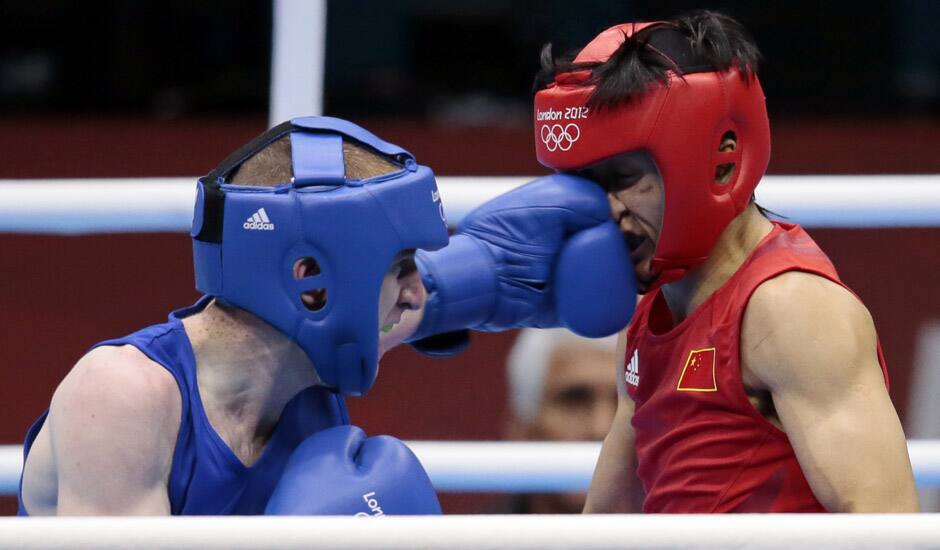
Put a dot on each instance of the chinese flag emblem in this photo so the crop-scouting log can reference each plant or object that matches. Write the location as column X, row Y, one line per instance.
column 698, row 374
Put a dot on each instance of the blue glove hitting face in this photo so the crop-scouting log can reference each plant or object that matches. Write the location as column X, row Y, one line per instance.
column 339, row 471
column 546, row 254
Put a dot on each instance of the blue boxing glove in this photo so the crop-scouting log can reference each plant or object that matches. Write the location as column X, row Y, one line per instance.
column 340, row 471
column 543, row 255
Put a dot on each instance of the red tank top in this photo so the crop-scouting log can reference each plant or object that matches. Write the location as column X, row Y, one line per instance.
column 701, row 445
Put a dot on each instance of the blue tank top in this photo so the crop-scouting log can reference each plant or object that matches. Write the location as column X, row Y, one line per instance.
column 206, row 477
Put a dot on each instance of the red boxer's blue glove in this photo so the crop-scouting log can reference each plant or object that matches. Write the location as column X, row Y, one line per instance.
column 546, row 254
column 340, row 471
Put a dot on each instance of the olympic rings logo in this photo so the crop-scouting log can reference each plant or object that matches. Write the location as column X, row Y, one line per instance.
column 560, row 138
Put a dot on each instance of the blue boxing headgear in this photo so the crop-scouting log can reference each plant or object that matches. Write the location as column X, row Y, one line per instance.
column 246, row 241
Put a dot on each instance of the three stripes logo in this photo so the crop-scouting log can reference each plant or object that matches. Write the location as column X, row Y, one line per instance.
column 259, row 221
column 632, row 375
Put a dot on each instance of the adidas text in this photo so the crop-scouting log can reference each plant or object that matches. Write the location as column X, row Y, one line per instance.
column 261, row 226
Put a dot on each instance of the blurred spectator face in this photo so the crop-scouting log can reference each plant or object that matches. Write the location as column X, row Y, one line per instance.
column 562, row 388
column 579, row 398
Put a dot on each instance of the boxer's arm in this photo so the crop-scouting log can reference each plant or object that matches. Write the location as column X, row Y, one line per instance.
column 813, row 344
column 113, row 425
column 612, row 487
column 518, row 260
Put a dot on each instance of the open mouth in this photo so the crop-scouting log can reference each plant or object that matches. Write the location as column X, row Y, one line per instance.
column 641, row 251
column 391, row 320
column 637, row 246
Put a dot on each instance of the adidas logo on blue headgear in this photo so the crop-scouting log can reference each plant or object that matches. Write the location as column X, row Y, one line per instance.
column 352, row 228
column 259, row 221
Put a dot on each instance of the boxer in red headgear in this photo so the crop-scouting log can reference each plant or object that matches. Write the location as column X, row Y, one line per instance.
column 751, row 378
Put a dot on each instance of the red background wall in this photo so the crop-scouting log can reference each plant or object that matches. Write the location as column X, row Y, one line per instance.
column 58, row 295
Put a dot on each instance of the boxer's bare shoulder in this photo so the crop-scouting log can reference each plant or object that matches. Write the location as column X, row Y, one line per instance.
column 800, row 314
column 108, row 441
column 812, row 344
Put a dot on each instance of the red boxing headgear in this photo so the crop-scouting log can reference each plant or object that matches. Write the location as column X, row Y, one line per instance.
column 680, row 124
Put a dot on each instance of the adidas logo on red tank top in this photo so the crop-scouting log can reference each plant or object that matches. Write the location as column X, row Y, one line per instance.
column 632, row 375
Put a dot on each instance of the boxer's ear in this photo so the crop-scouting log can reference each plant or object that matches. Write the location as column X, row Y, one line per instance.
column 306, row 267
column 723, row 172
column 315, row 299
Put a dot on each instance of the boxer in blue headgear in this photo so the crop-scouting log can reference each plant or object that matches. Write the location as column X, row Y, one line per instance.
column 247, row 242
column 303, row 243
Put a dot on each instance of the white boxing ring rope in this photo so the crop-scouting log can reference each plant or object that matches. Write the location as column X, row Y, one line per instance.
column 512, row 467
column 777, row 531
column 136, row 205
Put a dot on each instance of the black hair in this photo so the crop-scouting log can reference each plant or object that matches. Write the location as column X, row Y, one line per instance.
column 766, row 212
column 697, row 42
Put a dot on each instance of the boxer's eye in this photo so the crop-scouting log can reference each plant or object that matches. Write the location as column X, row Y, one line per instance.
column 404, row 264
column 575, row 397
column 621, row 182
column 406, row 267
